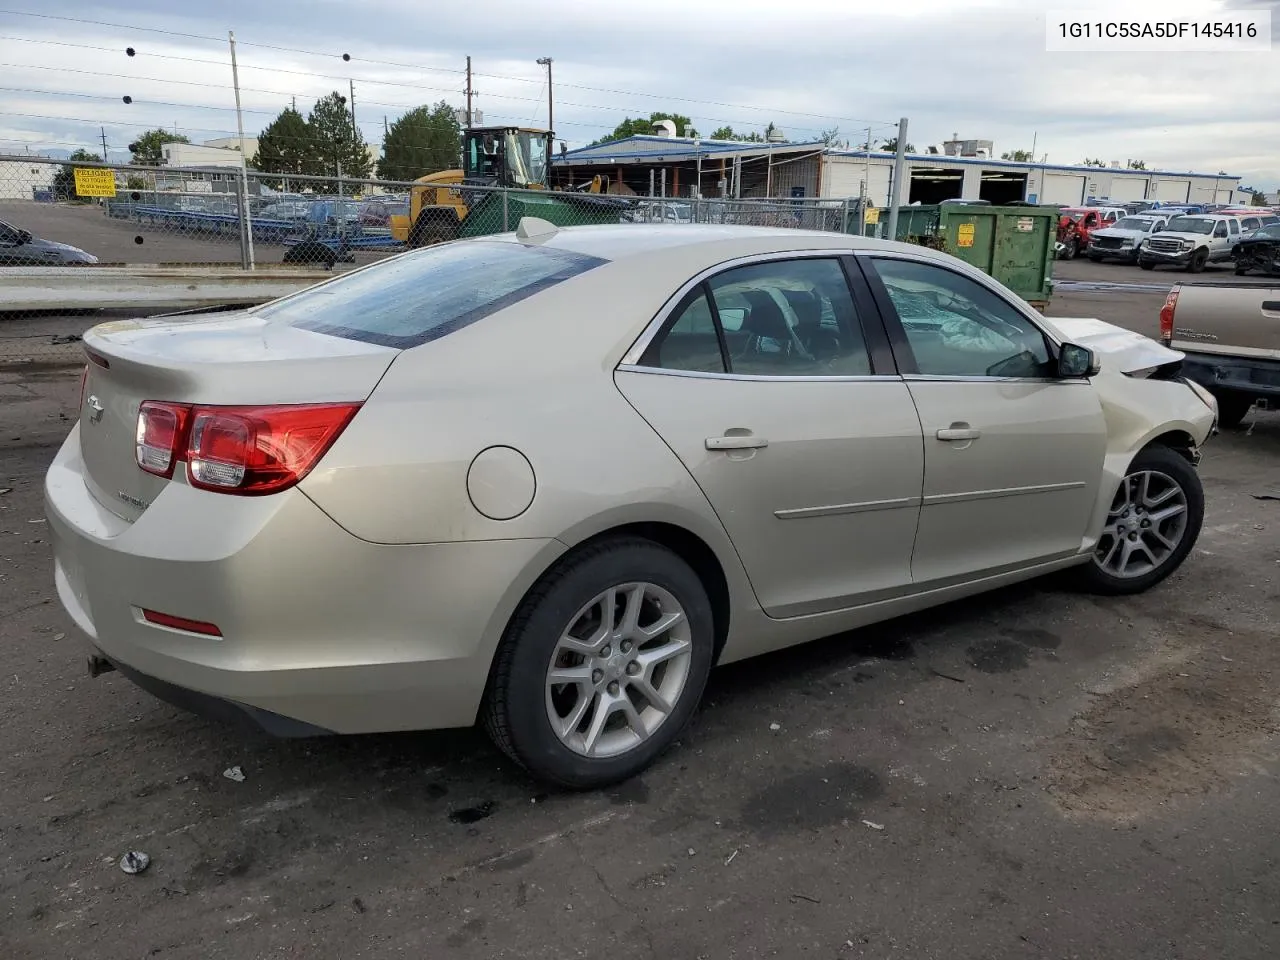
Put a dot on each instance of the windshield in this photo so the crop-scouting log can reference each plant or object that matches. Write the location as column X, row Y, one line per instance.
column 428, row 293
column 527, row 158
column 1269, row 232
column 1191, row 225
column 1134, row 223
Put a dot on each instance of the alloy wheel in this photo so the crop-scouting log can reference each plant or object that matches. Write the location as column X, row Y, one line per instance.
column 1145, row 525
column 618, row 670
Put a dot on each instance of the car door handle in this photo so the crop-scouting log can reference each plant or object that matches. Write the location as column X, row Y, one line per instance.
column 743, row 442
column 958, row 431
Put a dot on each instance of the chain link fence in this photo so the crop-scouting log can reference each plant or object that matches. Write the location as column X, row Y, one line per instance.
column 85, row 242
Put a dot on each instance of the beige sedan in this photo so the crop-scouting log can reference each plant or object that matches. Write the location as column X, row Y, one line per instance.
column 546, row 480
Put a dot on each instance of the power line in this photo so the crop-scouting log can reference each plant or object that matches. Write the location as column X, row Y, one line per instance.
column 489, row 76
column 397, row 106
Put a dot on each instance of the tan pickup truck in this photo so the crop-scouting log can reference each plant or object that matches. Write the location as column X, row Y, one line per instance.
column 1231, row 338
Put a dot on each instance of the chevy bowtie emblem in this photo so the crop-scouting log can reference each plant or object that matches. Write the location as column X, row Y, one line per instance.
column 96, row 409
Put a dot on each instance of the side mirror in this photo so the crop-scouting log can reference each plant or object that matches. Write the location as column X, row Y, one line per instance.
column 1076, row 362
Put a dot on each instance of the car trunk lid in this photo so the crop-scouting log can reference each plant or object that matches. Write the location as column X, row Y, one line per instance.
column 232, row 359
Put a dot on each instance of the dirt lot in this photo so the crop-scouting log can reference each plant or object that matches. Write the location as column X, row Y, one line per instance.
column 1031, row 774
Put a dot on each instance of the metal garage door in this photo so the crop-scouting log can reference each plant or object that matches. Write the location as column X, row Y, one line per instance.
column 1203, row 194
column 1063, row 188
column 1172, row 191
column 1124, row 189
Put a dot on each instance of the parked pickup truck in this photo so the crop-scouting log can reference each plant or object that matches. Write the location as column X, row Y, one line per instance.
column 1190, row 242
column 1230, row 336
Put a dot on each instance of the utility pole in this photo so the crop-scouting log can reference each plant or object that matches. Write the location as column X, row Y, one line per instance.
column 104, row 143
column 246, row 224
column 551, row 122
column 351, row 87
column 899, row 167
column 469, row 92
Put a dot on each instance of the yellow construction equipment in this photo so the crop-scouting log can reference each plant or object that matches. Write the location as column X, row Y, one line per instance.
column 442, row 209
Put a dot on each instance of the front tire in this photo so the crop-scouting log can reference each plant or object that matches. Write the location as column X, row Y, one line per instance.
column 1197, row 262
column 602, row 665
column 1146, row 264
column 1072, row 247
column 1153, row 523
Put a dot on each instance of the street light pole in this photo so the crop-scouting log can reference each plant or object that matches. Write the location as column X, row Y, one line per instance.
column 551, row 122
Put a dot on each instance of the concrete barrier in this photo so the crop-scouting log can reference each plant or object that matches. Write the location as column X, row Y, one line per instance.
column 145, row 287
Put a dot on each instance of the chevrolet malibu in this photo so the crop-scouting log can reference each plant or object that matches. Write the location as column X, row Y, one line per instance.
column 546, row 480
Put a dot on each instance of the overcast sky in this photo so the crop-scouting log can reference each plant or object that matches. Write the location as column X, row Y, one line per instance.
column 973, row 67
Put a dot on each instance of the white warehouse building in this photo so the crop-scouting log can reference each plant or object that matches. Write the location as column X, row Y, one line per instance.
column 931, row 178
column 683, row 167
column 20, row 177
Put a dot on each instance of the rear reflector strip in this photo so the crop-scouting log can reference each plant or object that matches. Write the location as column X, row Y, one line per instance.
column 181, row 623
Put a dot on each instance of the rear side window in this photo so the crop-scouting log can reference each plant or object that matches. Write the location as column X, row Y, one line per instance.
column 427, row 294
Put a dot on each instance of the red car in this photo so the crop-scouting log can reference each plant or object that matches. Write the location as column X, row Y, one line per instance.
column 1078, row 223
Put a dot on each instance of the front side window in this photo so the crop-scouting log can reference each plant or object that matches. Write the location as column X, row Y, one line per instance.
column 957, row 327
column 426, row 294
column 1234, row 225
column 784, row 318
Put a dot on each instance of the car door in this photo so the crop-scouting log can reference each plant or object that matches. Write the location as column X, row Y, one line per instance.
column 1220, row 242
column 773, row 382
column 1013, row 454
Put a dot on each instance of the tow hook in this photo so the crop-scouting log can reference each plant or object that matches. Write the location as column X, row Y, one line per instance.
column 100, row 665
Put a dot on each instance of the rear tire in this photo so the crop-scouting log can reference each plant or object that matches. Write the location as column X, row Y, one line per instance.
column 1146, row 537
column 1233, row 407
column 560, row 629
column 1241, row 271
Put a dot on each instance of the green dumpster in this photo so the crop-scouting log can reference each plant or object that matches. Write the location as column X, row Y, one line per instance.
column 1015, row 244
column 493, row 212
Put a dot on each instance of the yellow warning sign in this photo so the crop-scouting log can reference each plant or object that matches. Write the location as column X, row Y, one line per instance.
column 873, row 215
column 964, row 235
column 92, row 182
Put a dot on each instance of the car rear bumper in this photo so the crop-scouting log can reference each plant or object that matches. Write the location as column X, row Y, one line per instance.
column 320, row 631
column 1259, row 377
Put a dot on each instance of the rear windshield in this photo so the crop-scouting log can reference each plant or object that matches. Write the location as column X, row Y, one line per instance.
column 426, row 294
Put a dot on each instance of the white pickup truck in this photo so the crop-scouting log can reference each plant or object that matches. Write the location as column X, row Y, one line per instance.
column 1230, row 338
column 1190, row 242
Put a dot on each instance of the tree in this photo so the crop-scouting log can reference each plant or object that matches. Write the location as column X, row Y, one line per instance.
column 1259, row 199
column 830, row 138
column 285, row 145
column 1017, row 156
column 891, row 146
column 641, row 126
column 1092, row 163
column 726, row 133
column 148, row 149
column 1137, row 164
column 64, row 181
column 338, row 145
column 422, row 141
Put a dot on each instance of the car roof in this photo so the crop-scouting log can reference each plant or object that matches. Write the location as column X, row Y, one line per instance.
column 623, row 241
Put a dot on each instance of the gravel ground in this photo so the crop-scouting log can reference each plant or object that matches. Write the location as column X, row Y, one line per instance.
column 1030, row 774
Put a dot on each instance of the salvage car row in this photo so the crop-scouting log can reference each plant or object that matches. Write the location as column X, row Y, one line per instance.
column 1248, row 238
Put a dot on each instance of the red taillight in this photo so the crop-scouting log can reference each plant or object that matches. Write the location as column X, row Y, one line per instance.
column 1166, row 316
column 159, row 436
column 181, row 623
column 245, row 450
